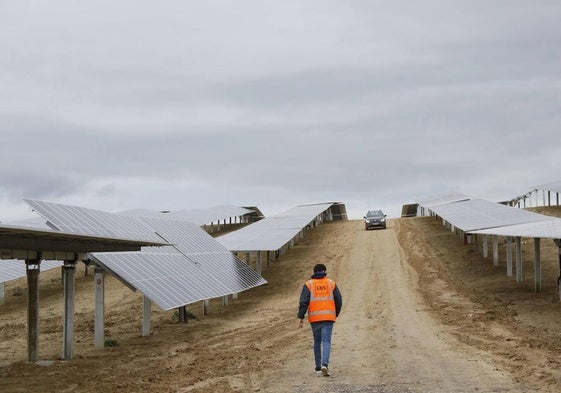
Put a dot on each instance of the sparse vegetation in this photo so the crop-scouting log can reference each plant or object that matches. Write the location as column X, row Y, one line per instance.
column 188, row 316
column 17, row 291
column 109, row 342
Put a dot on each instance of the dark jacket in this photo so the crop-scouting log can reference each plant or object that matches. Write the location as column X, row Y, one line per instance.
column 305, row 297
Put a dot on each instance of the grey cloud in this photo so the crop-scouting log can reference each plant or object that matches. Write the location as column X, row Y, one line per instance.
column 36, row 184
column 420, row 97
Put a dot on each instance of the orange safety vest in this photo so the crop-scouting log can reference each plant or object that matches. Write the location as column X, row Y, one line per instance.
column 322, row 302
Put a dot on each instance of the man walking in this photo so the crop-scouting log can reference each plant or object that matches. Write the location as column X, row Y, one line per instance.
column 322, row 300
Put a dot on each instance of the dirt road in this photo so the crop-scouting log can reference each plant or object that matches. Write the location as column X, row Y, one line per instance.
column 406, row 326
column 385, row 340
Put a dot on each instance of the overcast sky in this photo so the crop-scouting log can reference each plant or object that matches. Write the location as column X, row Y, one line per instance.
column 118, row 105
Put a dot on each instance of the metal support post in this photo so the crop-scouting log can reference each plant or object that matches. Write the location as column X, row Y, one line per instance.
column 69, row 270
column 495, row 250
column 518, row 260
column 206, row 307
column 558, row 244
column 146, row 315
column 182, row 313
column 2, row 293
column 32, row 271
column 99, row 326
column 537, row 266
column 509, row 256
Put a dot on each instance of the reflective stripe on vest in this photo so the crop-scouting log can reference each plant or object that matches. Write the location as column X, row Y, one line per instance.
column 322, row 302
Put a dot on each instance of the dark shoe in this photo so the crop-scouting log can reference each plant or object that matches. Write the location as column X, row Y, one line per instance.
column 318, row 371
column 325, row 370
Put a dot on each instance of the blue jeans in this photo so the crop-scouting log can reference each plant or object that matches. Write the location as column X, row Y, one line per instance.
column 322, row 338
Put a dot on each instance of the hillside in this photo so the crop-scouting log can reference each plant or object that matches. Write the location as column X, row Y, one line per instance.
column 422, row 312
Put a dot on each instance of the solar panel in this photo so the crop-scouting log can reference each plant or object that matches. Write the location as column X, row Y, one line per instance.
column 81, row 220
column 12, row 269
column 196, row 268
column 272, row 233
column 195, row 216
column 271, row 240
column 187, row 237
column 481, row 214
column 546, row 229
column 35, row 222
column 206, row 216
column 140, row 213
column 441, row 199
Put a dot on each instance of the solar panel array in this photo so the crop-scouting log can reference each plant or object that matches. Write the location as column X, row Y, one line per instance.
column 197, row 267
column 196, row 216
column 546, row 229
column 206, row 216
column 478, row 214
column 441, row 199
column 81, row 220
column 185, row 236
column 273, row 232
column 12, row 269
column 35, row 222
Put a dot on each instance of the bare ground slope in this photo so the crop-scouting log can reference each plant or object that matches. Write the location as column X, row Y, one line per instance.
column 422, row 313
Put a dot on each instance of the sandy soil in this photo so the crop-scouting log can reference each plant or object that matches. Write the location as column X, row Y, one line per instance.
column 422, row 313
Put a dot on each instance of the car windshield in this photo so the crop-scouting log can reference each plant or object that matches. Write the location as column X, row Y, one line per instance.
column 375, row 213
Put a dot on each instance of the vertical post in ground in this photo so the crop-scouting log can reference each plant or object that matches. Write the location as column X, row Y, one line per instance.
column 69, row 270
column 509, row 256
column 146, row 315
column 32, row 271
column 537, row 266
column 518, row 260
column 99, row 324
